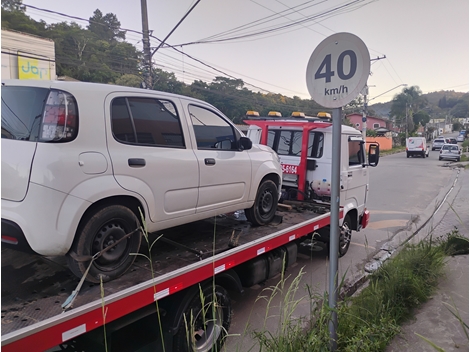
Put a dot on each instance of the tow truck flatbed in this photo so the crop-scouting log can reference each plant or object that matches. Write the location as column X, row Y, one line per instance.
column 34, row 287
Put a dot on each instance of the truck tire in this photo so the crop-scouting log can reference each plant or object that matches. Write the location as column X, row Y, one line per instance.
column 205, row 321
column 344, row 236
column 424, row 155
column 407, row 155
column 99, row 230
column 265, row 205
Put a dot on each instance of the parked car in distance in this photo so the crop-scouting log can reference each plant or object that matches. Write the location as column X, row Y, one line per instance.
column 451, row 141
column 450, row 151
column 438, row 143
column 86, row 165
column 460, row 138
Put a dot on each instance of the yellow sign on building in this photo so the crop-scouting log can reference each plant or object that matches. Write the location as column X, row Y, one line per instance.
column 29, row 68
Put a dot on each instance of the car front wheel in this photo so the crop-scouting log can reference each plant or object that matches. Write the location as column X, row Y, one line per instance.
column 264, row 208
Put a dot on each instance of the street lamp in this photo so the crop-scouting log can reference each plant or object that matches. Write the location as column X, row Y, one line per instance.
column 364, row 113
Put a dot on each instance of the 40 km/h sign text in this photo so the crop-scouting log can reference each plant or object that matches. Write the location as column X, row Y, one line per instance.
column 325, row 71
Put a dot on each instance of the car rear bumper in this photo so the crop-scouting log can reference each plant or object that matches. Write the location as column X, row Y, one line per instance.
column 13, row 237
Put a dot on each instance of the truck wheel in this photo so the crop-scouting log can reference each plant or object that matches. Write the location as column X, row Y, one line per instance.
column 407, row 155
column 345, row 236
column 265, row 205
column 424, row 155
column 205, row 322
column 100, row 230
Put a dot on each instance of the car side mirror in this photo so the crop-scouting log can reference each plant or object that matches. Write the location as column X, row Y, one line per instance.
column 245, row 143
column 374, row 154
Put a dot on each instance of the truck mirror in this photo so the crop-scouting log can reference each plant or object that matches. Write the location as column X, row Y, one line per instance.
column 374, row 152
column 245, row 143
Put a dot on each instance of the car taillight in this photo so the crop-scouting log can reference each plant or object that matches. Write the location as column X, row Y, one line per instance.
column 60, row 118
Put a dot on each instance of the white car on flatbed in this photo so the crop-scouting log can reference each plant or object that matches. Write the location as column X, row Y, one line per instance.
column 81, row 162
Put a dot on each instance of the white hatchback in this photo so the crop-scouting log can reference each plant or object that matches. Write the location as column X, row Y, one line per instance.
column 80, row 161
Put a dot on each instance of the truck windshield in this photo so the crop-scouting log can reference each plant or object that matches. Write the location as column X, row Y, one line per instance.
column 22, row 108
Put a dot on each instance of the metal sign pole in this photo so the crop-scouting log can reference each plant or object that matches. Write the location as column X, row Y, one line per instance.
column 334, row 228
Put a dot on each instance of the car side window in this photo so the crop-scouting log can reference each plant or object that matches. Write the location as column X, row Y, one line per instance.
column 211, row 130
column 356, row 153
column 146, row 121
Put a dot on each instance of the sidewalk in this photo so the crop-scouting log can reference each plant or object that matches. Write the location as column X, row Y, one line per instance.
column 433, row 320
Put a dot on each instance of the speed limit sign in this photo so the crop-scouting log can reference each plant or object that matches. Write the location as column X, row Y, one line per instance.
column 338, row 70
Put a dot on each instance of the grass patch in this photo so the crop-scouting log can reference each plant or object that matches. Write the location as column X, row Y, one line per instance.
column 369, row 320
column 393, row 150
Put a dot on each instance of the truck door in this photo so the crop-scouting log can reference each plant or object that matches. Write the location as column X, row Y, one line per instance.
column 224, row 169
column 357, row 176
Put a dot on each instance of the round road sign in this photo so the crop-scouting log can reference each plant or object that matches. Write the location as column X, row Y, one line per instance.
column 338, row 70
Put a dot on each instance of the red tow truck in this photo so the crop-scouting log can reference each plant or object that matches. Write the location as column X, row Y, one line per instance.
column 176, row 296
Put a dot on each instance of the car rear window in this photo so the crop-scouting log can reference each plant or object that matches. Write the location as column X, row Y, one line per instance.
column 38, row 114
column 22, row 108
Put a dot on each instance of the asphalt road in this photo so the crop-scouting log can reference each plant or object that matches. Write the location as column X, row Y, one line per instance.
column 400, row 190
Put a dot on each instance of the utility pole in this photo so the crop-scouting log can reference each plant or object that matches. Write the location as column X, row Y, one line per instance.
column 364, row 112
column 406, row 121
column 146, row 45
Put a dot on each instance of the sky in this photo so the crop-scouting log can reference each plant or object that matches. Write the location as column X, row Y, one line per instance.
column 422, row 43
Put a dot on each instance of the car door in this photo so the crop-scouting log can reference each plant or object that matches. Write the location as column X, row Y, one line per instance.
column 224, row 169
column 148, row 145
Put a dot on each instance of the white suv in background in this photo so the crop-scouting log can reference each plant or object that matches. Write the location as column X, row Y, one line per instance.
column 81, row 160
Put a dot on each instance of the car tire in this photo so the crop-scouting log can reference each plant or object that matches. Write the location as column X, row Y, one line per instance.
column 205, row 322
column 344, row 236
column 424, row 155
column 440, row 158
column 264, row 208
column 99, row 230
column 407, row 155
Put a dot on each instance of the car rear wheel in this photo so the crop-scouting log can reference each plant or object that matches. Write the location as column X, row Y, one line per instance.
column 100, row 230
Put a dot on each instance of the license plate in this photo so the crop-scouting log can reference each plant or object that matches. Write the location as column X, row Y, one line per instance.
column 289, row 169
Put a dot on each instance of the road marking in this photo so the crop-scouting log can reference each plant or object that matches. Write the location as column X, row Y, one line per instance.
column 384, row 224
column 387, row 212
column 363, row 245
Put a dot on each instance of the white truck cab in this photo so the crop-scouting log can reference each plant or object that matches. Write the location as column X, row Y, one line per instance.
column 304, row 146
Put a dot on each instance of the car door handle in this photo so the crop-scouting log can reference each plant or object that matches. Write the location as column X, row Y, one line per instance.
column 209, row 161
column 136, row 162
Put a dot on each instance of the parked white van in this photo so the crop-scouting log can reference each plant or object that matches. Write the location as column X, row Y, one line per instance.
column 417, row 146
column 80, row 161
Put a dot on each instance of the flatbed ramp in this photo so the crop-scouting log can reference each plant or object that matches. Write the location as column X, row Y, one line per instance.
column 35, row 287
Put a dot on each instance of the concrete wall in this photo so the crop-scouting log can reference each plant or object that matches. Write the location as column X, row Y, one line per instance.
column 385, row 143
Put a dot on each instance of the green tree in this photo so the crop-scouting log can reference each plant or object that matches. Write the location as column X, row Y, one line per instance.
column 129, row 80
column 13, row 5
column 106, row 27
column 421, row 117
column 405, row 105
